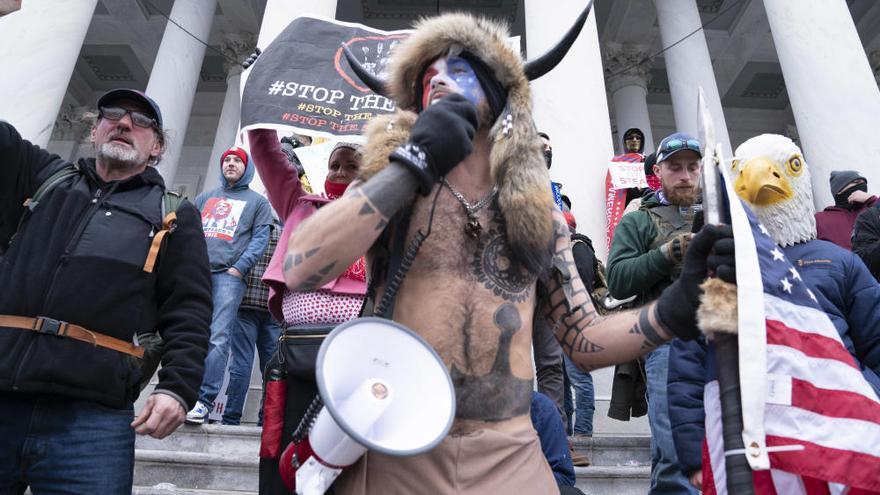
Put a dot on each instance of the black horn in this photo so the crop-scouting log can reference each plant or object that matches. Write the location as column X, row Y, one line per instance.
column 546, row 62
column 373, row 82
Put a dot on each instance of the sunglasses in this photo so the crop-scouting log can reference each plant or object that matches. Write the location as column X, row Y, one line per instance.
column 139, row 119
column 680, row 144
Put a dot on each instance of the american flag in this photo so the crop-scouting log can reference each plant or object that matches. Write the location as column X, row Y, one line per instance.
column 813, row 418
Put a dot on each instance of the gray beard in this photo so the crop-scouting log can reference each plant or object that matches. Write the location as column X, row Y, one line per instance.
column 118, row 157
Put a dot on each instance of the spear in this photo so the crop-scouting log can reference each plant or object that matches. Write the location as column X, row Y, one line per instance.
column 715, row 211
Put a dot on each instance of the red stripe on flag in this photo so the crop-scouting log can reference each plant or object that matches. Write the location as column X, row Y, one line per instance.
column 816, row 487
column 835, row 465
column 833, row 403
column 763, row 482
column 811, row 344
column 708, row 476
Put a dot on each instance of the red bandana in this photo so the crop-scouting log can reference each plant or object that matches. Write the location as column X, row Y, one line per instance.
column 334, row 189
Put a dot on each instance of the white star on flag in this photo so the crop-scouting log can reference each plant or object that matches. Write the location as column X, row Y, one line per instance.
column 786, row 285
column 777, row 254
column 763, row 229
column 794, row 273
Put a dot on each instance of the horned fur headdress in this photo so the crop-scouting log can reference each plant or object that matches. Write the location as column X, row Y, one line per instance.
column 516, row 160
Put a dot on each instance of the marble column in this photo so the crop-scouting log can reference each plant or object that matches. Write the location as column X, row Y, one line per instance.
column 175, row 74
column 41, row 43
column 833, row 93
column 570, row 105
column 626, row 72
column 688, row 67
column 235, row 47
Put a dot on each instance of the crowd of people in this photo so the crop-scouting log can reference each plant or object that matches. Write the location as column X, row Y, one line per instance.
column 99, row 259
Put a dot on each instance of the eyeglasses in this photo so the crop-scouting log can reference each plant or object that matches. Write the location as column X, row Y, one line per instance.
column 139, row 119
column 680, row 144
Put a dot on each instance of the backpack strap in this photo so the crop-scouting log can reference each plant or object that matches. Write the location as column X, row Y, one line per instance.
column 31, row 203
column 171, row 201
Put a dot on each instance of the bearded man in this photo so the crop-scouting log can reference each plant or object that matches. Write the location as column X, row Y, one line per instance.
column 647, row 255
column 458, row 175
column 93, row 262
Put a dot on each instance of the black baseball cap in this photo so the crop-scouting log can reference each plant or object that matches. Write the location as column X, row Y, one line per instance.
column 134, row 95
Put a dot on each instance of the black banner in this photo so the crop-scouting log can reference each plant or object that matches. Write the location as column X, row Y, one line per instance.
column 303, row 81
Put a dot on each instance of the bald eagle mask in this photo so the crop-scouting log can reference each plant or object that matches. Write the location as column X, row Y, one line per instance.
column 770, row 174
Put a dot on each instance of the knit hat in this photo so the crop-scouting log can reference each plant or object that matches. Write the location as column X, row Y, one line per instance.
column 235, row 150
column 840, row 179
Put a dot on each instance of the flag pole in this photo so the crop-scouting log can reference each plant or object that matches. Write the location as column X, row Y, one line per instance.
column 738, row 471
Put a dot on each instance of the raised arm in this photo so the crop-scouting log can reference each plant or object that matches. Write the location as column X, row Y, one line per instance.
column 343, row 230
column 593, row 341
column 336, row 235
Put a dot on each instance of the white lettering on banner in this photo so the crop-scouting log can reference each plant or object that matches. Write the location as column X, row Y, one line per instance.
column 625, row 175
column 374, row 102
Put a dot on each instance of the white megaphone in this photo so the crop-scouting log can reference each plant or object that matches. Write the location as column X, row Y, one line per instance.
column 384, row 389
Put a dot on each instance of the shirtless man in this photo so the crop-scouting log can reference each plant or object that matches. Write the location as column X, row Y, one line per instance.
column 469, row 169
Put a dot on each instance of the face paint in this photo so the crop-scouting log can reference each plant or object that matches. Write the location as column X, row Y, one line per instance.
column 457, row 75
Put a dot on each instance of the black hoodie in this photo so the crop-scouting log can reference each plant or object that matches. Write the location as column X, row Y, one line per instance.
column 79, row 258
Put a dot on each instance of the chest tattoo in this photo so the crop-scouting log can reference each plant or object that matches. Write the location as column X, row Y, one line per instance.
column 498, row 395
column 494, row 266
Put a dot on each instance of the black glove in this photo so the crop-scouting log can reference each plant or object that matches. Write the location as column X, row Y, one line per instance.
column 710, row 251
column 251, row 58
column 440, row 139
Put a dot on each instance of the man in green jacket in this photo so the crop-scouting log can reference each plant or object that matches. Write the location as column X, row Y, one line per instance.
column 646, row 256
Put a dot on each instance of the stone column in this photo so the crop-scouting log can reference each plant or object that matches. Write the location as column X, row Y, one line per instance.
column 71, row 130
column 626, row 71
column 833, row 93
column 175, row 74
column 236, row 47
column 41, row 43
column 688, row 67
column 570, row 105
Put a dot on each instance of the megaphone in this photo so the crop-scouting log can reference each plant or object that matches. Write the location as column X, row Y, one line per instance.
column 384, row 388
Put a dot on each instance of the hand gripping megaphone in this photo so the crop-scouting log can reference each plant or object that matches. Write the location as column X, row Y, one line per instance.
column 383, row 388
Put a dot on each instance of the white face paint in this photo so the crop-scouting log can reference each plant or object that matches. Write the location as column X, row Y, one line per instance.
column 451, row 74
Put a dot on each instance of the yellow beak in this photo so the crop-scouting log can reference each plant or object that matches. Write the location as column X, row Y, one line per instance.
column 760, row 182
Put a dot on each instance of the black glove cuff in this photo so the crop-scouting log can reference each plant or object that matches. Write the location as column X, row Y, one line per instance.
column 677, row 313
column 418, row 162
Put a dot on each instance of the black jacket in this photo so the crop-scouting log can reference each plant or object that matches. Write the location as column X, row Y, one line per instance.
column 866, row 239
column 79, row 258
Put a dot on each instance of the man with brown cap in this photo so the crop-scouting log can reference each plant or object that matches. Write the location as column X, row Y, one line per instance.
column 458, row 175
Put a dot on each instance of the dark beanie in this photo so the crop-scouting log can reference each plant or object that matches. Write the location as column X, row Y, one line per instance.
column 650, row 161
column 840, row 178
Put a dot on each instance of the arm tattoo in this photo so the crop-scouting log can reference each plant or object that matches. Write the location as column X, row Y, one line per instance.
column 388, row 190
column 570, row 306
column 644, row 327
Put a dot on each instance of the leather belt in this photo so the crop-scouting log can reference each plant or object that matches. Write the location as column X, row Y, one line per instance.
column 58, row 328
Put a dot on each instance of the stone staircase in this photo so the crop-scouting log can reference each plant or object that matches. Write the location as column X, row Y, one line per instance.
column 223, row 460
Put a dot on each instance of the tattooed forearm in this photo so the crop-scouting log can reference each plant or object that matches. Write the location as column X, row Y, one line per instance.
column 592, row 340
column 387, row 191
column 648, row 328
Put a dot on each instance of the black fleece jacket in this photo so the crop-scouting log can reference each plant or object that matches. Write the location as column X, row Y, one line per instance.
column 79, row 258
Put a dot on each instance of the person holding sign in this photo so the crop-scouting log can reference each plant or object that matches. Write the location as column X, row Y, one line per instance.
column 464, row 246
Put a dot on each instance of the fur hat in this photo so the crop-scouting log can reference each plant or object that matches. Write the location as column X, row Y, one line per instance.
column 516, row 160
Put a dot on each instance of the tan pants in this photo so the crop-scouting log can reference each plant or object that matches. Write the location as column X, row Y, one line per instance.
column 484, row 462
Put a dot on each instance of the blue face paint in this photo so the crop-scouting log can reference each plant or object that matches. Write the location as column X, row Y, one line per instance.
column 461, row 71
column 452, row 75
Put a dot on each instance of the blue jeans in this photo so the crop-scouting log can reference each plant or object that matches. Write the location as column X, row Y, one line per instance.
column 60, row 445
column 584, row 398
column 253, row 327
column 666, row 477
column 227, row 293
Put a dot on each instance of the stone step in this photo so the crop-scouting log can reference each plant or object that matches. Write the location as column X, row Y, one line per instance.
column 171, row 489
column 616, row 480
column 196, row 470
column 615, row 451
column 207, row 439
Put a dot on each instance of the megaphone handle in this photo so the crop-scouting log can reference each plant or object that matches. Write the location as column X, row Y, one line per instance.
column 308, row 420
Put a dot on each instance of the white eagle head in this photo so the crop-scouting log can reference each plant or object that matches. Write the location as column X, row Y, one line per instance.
column 770, row 174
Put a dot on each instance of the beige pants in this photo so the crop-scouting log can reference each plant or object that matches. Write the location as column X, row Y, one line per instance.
column 484, row 462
